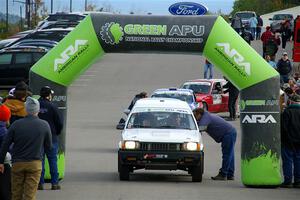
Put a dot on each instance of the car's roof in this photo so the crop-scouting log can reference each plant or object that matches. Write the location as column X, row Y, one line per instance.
column 161, row 103
column 206, row 80
column 173, row 90
column 24, row 49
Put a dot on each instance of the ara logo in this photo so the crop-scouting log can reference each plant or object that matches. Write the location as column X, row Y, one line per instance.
column 66, row 54
column 237, row 57
column 260, row 119
column 112, row 33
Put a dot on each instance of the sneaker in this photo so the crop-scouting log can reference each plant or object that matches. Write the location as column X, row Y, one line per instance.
column 55, row 187
column 40, row 187
column 286, row 185
column 219, row 177
column 296, row 185
column 230, row 178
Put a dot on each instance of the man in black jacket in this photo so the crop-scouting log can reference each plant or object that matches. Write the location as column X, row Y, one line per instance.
column 290, row 143
column 49, row 112
column 284, row 68
column 233, row 95
column 29, row 136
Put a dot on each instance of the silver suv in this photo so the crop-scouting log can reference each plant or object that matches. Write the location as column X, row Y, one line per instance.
column 245, row 16
column 278, row 19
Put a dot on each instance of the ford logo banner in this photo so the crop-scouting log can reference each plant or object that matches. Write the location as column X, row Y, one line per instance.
column 187, row 8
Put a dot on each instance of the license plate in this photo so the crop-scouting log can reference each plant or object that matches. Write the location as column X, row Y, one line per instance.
column 155, row 156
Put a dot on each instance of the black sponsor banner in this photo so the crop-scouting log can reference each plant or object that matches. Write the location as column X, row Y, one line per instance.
column 134, row 33
column 260, row 119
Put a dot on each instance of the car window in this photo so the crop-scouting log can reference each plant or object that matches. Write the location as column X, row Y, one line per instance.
column 23, row 58
column 37, row 56
column 282, row 17
column 183, row 97
column 5, row 59
column 198, row 88
column 245, row 15
column 161, row 120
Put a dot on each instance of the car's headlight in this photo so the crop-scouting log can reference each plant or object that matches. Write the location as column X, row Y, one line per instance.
column 191, row 146
column 130, row 145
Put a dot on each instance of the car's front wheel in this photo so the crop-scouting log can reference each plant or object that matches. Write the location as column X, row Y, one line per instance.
column 197, row 172
column 124, row 172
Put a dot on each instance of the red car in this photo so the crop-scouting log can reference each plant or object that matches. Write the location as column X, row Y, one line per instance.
column 210, row 93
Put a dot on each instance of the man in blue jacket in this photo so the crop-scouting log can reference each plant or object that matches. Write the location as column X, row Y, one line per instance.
column 222, row 132
column 49, row 112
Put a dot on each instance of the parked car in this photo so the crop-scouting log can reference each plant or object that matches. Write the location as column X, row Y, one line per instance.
column 7, row 42
column 161, row 134
column 278, row 19
column 15, row 63
column 61, row 20
column 210, row 93
column 245, row 16
column 186, row 95
column 48, row 44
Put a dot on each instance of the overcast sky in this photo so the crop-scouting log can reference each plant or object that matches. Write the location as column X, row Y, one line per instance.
column 124, row 6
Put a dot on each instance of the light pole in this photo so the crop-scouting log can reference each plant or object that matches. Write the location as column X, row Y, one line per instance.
column 51, row 6
column 70, row 6
column 85, row 5
column 6, row 15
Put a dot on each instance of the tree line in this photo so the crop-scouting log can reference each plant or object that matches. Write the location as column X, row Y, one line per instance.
column 263, row 6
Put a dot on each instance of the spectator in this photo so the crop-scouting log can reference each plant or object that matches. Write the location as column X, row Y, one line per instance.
column 233, row 95
column 208, row 66
column 271, row 62
column 28, row 135
column 236, row 24
column 136, row 98
column 258, row 28
column 222, row 132
column 265, row 37
column 253, row 24
column 16, row 102
column 284, row 67
column 290, row 143
column 49, row 112
column 286, row 33
column 5, row 184
column 272, row 46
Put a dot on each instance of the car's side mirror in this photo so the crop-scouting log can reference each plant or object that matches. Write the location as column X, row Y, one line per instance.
column 270, row 19
column 120, row 126
column 126, row 111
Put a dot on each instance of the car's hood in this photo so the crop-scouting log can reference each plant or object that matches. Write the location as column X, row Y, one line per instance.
column 161, row 135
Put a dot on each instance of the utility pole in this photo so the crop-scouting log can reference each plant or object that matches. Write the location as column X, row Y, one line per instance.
column 70, row 6
column 6, row 15
column 27, row 4
column 85, row 5
column 21, row 21
column 51, row 6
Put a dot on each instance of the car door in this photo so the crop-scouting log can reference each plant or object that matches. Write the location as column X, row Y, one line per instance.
column 5, row 62
column 22, row 61
column 217, row 98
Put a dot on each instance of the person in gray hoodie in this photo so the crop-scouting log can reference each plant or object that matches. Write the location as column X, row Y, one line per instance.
column 29, row 135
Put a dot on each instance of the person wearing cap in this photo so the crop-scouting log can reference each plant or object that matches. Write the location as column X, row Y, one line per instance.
column 5, row 177
column 222, row 132
column 15, row 102
column 50, row 113
column 284, row 68
column 29, row 135
column 265, row 37
column 290, row 143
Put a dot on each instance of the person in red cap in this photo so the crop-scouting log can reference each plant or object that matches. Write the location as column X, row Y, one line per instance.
column 5, row 177
column 265, row 37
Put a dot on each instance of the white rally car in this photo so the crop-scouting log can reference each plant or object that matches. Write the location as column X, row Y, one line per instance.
column 161, row 134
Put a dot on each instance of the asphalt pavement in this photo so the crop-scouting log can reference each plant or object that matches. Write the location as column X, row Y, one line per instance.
column 95, row 104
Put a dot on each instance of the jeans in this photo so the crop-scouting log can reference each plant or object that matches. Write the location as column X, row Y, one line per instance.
column 5, row 183
column 253, row 30
column 52, row 160
column 232, row 105
column 284, row 79
column 25, row 179
column 206, row 68
column 228, row 143
column 290, row 159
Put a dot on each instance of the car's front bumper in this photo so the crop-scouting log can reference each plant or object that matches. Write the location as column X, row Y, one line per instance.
column 162, row 160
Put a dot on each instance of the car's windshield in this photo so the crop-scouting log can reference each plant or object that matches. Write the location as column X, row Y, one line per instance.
column 282, row 17
column 176, row 95
column 161, row 120
column 245, row 15
column 202, row 88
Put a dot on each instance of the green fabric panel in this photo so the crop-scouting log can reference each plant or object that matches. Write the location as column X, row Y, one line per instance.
column 238, row 61
column 72, row 56
column 60, row 166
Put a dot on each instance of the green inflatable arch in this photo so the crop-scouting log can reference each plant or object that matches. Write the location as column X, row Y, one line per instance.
column 211, row 35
